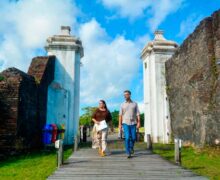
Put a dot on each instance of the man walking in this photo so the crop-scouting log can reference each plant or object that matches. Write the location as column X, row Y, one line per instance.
column 129, row 118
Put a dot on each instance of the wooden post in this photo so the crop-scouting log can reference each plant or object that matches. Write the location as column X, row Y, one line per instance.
column 120, row 134
column 60, row 154
column 75, row 143
column 178, row 145
column 149, row 143
column 88, row 131
column 84, row 133
column 80, row 133
column 138, row 135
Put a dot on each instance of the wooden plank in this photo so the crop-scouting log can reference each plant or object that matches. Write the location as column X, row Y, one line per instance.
column 85, row 164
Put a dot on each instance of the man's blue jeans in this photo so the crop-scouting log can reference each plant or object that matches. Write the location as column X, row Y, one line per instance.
column 130, row 137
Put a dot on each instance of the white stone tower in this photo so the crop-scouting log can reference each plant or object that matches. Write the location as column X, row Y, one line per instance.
column 157, row 116
column 63, row 92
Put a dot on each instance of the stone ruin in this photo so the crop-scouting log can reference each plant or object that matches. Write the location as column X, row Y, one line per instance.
column 23, row 103
column 193, row 85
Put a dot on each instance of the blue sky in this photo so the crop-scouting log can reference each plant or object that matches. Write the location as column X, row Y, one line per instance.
column 113, row 33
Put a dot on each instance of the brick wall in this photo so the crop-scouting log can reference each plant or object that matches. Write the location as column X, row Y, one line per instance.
column 23, row 105
column 42, row 69
column 18, row 105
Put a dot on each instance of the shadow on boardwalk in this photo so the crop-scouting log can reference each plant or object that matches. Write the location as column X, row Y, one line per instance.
column 86, row 164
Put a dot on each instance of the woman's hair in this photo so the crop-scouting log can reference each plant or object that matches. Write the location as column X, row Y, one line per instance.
column 104, row 103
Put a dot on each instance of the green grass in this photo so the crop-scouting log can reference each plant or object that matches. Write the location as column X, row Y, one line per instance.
column 34, row 165
column 39, row 165
column 204, row 161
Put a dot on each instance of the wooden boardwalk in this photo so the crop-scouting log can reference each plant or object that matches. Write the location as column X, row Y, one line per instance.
column 85, row 164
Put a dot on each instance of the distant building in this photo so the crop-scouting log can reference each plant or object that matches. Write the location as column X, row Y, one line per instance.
column 156, row 106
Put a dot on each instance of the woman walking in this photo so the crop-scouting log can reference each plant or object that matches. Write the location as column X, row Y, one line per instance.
column 101, row 118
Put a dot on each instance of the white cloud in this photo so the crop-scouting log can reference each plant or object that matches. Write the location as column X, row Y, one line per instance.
column 128, row 8
column 161, row 10
column 25, row 25
column 188, row 25
column 154, row 11
column 143, row 40
column 109, row 64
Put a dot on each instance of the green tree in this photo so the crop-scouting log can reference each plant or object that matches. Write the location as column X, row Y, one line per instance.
column 86, row 118
column 115, row 115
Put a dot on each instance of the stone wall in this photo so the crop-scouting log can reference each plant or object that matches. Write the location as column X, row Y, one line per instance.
column 193, row 85
column 18, row 105
column 23, row 105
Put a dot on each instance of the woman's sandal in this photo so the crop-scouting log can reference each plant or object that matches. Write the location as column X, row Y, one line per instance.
column 102, row 154
column 100, row 151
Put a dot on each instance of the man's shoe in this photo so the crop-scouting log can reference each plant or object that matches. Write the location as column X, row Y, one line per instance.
column 129, row 156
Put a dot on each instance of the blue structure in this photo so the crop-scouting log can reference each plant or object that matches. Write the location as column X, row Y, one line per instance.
column 63, row 92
